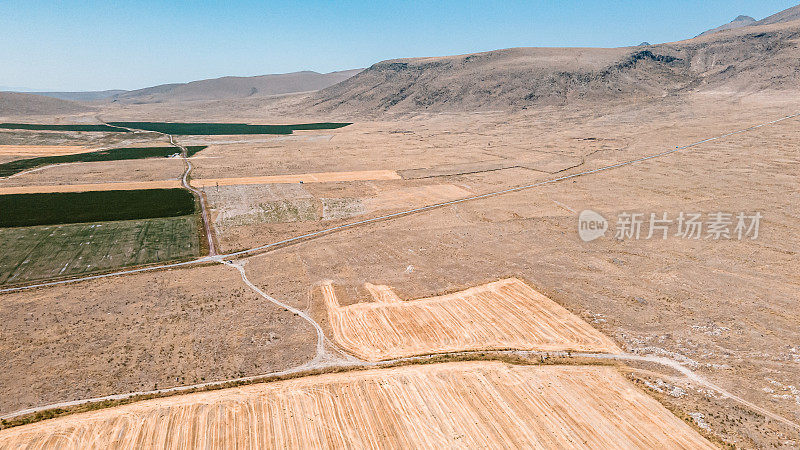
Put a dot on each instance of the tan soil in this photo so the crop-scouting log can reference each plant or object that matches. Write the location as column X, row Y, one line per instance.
column 323, row 177
column 469, row 405
column 123, row 186
column 724, row 308
column 42, row 150
column 505, row 314
column 329, row 177
column 414, row 196
column 161, row 329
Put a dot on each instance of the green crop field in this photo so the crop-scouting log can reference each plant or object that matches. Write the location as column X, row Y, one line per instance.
column 318, row 126
column 42, row 252
column 181, row 128
column 225, row 128
column 22, row 210
column 116, row 154
column 39, row 127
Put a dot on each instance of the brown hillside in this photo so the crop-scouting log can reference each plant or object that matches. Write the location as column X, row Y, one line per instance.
column 236, row 87
column 745, row 60
column 17, row 104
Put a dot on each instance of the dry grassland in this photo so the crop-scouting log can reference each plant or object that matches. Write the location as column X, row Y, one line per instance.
column 415, row 196
column 324, row 177
column 321, row 177
column 505, row 314
column 42, row 150
column 470, row 405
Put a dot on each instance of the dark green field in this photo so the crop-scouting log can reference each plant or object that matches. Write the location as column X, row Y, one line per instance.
column 22, row 210
column 116, row 154
column 225, row 128
column 42, row 252
column 38, row 127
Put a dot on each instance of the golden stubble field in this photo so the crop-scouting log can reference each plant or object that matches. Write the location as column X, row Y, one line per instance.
column 32, row 151
column 505, row 314
column 464, row 405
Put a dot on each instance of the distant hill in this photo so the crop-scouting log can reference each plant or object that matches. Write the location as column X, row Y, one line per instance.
column 787, row 15
column 18, row 104
column 496, row 79
column 741, row 21
column 746, row 59
column 235, row 87
column 84, row 96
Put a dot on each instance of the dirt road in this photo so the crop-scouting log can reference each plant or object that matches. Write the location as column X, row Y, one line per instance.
column 187, row 185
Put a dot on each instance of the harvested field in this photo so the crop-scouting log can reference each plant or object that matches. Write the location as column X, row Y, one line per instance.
column 42, row 150
column 72, row 127
column 505, row 314
column 121, row 186
column 321, row 177
column 470, row 405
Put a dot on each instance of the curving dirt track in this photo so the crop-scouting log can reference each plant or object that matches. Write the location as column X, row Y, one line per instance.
column 468, row 404
column 506, row 314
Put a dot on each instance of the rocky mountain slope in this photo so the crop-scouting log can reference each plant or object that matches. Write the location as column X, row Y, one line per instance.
column 742, row 60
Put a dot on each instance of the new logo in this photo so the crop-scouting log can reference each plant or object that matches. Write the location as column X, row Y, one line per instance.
column 591, row 225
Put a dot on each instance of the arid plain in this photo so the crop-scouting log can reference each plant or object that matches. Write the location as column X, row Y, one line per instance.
column 723, row 309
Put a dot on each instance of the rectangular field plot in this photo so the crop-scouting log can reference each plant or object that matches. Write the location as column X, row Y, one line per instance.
column 42, row 150
column 22, row 210
column 505, row 314
column 116, row 186
column 464, row 405
column 114, row 154
column 37, row 253
column 70, row 127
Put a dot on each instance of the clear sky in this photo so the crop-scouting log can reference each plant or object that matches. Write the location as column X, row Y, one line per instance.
column 95, row 45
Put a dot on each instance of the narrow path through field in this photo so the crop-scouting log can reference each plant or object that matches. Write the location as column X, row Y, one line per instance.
column 691, row 376
column 323, row 357
column 185, row 182
column 187, row 185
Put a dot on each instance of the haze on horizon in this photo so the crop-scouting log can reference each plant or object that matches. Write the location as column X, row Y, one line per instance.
column 75, row 46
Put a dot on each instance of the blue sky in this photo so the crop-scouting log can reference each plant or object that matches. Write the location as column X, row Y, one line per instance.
column 94, row 45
